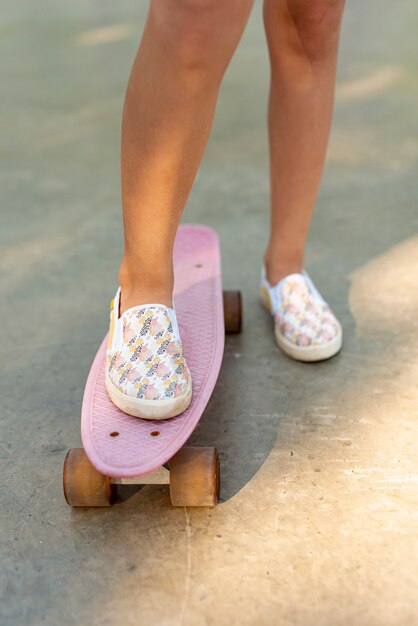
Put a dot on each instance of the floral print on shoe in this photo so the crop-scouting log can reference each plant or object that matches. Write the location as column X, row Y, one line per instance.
column 305, row 327
column 146, row 372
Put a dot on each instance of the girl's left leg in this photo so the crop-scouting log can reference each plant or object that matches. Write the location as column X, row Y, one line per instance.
column 302, row 37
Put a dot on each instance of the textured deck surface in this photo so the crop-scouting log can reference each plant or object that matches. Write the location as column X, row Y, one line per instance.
column 198, row 302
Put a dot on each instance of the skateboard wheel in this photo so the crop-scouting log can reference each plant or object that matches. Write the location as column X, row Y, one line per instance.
column 83, row 484
column 232, row 311
column 195, row 477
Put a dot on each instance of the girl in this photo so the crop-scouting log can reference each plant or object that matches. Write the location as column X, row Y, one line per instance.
column 169, row 107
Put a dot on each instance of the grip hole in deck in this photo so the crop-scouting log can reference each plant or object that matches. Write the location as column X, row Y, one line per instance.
column 154, row 433
column 114, row 434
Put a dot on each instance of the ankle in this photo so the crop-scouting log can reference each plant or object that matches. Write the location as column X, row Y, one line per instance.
column 145, row 287
column 279, row 268
column 136, row 296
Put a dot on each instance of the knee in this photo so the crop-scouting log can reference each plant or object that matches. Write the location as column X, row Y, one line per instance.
column 317, row 24
column 305, row 28
column 192, row 30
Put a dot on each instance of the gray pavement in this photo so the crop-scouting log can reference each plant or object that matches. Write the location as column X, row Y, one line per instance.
column 318, row 524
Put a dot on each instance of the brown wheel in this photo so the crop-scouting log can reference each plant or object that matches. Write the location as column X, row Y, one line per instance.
column 195, row 477
column 232, row 311
column 83, row 484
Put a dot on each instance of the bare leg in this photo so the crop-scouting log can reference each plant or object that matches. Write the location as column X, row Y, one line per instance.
column 302, row 38
column 169, row 107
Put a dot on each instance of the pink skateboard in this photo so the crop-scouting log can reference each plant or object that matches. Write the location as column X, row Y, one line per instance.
column 120, row 449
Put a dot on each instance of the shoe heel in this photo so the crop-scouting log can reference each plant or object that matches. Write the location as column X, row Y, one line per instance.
column 265, row 298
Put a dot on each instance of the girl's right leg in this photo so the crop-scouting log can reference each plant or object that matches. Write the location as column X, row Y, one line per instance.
column 169, row 107
column 168, row 112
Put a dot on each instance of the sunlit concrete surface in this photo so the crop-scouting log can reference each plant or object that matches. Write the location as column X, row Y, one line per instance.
column 318, row 524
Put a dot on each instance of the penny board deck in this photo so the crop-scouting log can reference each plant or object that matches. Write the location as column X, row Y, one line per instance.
column 122, row 446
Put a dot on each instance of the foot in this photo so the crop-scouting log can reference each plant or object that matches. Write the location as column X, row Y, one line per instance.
column 305, row 327
column 146, row 372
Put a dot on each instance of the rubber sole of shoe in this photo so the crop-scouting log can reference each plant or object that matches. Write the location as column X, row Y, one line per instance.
column 149, row 409
column 310, row 354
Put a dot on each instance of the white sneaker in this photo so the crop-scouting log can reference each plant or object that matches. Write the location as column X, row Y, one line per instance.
column 146, row 372
column 305, row 327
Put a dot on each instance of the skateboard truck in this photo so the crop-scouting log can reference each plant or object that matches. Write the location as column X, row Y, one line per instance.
column 193, row 476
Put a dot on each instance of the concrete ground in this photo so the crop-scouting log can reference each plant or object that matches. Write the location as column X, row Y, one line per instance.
column 318, row 524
